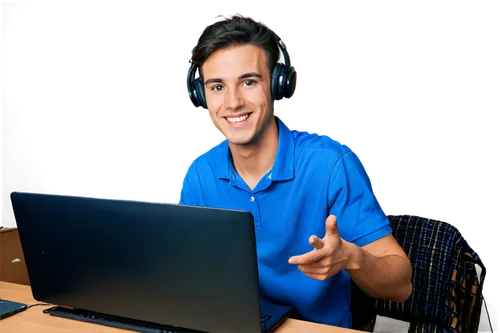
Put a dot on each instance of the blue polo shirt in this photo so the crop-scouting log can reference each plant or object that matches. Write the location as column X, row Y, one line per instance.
column 312, row 176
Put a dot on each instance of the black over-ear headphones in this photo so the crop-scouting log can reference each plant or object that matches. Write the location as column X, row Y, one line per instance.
column 283, row 79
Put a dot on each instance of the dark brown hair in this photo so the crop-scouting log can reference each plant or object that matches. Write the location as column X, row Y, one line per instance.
column 234, row 31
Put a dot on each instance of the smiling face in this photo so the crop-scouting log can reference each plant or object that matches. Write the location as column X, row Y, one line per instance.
column 237, row 90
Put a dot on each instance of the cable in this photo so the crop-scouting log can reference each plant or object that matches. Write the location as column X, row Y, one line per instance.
column 31, row 305
column 36, row 304
column 487, row 313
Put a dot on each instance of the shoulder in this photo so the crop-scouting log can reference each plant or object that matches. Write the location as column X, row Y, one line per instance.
column 209, row 161
column 201, row 175
column 214, row 155
column 318, row 147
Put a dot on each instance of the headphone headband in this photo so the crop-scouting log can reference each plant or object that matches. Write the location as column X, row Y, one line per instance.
column 282, row 47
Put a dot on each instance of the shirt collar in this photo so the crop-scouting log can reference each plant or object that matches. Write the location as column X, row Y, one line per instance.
column 283, row 167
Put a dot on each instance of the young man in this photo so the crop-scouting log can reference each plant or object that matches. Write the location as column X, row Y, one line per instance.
column 317, row 221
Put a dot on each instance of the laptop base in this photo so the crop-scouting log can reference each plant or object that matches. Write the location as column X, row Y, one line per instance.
column 266, row 328
column 113, row 321
column 273, row 315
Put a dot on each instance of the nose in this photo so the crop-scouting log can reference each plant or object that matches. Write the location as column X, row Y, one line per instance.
column 233, row 99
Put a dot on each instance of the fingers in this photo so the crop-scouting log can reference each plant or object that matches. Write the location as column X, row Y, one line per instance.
column 322, row 263
column 320, row 273
column 309, row 269
column 331, row 225
column 312, row 256
column 308, row 258
column 320, row 267
column 320, row 277
column 316, row 242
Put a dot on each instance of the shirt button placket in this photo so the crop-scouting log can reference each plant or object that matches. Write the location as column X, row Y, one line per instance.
column 255, row 209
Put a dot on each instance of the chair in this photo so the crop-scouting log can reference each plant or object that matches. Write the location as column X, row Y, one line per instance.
column 447, row 291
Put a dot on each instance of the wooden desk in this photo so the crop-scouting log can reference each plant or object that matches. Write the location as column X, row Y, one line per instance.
column 34, row 320
column 12, row 264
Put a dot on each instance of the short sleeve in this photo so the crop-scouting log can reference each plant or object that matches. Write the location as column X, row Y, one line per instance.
column 188, row 196
column 360, row 218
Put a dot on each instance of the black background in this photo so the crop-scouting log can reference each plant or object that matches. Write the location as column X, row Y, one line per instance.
column 93, row 98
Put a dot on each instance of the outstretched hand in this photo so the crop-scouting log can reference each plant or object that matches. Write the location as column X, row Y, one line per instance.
column 328, row 256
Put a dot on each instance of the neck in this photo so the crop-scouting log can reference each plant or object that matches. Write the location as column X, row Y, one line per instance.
column 253, row 161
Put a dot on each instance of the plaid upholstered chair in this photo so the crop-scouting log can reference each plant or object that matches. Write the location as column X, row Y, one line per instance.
column 447, row 291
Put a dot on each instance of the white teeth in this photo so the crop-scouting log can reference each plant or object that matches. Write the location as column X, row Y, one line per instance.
column 237, row 119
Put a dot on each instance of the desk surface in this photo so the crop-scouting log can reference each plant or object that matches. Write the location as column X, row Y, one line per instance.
column 34, row 320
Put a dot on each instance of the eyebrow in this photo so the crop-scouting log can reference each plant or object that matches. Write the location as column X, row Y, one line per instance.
column 243, row 76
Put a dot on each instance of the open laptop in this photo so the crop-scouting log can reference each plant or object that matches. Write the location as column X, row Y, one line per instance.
column 146, row 267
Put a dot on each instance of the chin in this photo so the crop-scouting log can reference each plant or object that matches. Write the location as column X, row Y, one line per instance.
column 239, row 141
column 240, row 137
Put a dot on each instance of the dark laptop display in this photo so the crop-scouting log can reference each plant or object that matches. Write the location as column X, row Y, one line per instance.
column 144, row 266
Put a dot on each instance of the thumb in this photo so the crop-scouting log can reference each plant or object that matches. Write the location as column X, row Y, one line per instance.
column 331, row 226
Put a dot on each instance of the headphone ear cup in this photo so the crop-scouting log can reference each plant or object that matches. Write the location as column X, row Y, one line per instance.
column 274, row 81
column 277, row 79
column 290, row 82
column 195, row 87
column 281, row 82
column 199, row 90
column 188, row 88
